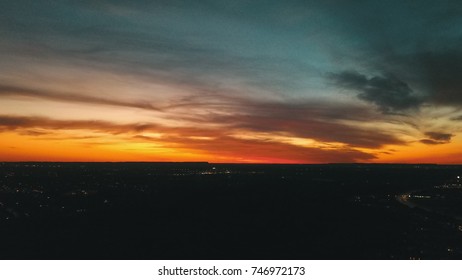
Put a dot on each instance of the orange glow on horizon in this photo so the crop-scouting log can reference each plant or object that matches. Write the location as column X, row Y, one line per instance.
column 17, row 147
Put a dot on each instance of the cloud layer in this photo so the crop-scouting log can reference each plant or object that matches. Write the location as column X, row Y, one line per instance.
column 292, row 81
column 387, row 92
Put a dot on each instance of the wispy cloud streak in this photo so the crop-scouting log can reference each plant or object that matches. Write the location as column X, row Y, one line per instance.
column 12, row 91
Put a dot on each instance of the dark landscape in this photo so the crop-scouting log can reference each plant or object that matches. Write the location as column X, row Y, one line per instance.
column 229, row 211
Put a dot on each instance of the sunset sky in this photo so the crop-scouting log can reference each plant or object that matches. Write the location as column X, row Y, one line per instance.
column 231, row 81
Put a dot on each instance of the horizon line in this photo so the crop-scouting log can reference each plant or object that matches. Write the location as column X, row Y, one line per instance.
column 236, row 163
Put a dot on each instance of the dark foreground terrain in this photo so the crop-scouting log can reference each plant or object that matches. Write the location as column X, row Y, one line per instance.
column 220, row 211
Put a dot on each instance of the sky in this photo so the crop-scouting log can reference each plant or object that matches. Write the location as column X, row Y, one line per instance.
column 231, row 81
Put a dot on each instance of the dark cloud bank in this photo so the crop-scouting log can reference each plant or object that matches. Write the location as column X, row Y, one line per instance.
column 435, row 138
column 389, row 93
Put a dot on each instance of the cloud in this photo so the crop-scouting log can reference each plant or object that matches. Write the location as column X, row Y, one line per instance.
column 8, row 123
column 225, row 147
column 217, row 144
column 441, row 72
column 320, row 121
column 419, row 43
column 387, row 92
column 431, row 142
column 268, row 150
column 434, row 72
column 436, row 138
column 32, row 132
column 144, row 48
column 11, row 91
column 221, row 115
column 235, row 59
